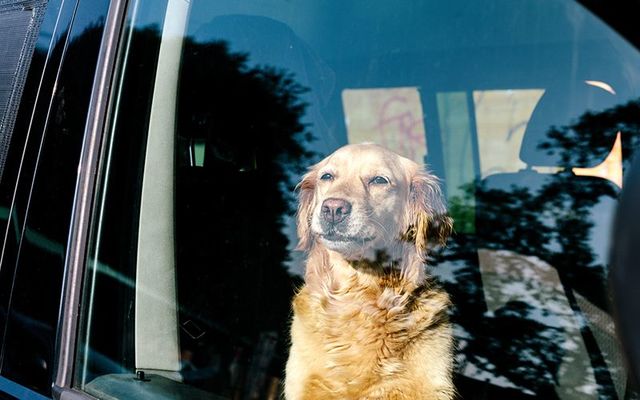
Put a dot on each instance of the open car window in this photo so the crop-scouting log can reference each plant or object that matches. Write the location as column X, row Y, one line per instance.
column 527, row 112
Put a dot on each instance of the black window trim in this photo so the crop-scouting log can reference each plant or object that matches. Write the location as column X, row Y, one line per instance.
column 83, row 200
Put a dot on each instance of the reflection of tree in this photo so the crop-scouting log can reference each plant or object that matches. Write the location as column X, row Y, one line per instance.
column 553, row 217
column 589, row 138
column 515, row 220
column 530, row 351
column 231, row 249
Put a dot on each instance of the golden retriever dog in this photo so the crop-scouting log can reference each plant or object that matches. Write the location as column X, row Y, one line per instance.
column 369, row 323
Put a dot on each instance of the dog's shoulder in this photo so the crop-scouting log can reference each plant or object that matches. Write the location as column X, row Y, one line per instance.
column 431, row 300
column 414, row 312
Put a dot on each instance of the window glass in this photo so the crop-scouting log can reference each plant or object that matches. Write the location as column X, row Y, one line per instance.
column 41, row 202
column 19, row 26
column 20, row 23
column 526, row 111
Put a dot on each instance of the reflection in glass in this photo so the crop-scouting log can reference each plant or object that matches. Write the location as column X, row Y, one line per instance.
column 514, row 116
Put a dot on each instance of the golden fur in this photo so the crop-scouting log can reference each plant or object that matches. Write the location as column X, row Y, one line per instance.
column 369, row 323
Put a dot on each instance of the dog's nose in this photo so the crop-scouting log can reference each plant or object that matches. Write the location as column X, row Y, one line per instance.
column 335, row 210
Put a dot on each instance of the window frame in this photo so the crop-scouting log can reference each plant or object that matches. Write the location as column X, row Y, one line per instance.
column 90, row 157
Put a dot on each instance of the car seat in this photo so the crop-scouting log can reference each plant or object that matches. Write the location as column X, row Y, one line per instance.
column 542, row 242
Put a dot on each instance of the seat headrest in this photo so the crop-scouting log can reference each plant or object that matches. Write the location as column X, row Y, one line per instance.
column 560, row 132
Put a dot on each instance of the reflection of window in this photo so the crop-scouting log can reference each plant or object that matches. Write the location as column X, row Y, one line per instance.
column 190, row 279
column 390, row 117
column 458, row 153
column 501, row 118
column 610, row 168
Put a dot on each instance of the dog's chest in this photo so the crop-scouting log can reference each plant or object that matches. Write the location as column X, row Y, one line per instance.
column 366, row 332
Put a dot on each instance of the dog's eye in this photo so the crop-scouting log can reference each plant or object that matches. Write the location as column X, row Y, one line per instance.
column 379, row 180
column 326, row 177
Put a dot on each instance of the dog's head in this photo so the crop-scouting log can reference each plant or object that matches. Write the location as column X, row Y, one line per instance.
column 365, row 198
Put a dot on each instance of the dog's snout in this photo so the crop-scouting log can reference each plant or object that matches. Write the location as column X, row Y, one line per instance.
column 335, row 210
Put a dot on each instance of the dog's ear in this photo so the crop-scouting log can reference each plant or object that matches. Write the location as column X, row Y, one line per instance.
column 426, row 218
column 306, row 192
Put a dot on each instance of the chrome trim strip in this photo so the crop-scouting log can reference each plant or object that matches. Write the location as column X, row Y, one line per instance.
column 83, row 199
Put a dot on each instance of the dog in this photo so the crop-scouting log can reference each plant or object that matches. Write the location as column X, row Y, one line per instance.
column 369, row 323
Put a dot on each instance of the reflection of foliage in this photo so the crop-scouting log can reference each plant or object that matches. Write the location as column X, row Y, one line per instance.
column 554, row 222
column 552, row 217
column 591, row 136
column 530, row 351
column 250, row 117
column 232, row 250
column 514, row 218
column 462, row 214
column 571, row 202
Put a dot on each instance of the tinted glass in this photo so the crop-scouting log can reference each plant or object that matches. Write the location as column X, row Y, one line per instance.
column 47, row 181
column 21, row 64
column 527, row 112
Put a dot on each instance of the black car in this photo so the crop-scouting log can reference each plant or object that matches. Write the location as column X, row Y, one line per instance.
column 149, row 152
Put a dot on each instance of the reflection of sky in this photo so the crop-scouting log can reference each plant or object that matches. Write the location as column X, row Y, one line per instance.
column 418, row 26
column 500, row 37
column 85, row 17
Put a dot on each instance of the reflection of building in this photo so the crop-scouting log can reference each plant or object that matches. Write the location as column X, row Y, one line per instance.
column 390, row 117
column 501, row 118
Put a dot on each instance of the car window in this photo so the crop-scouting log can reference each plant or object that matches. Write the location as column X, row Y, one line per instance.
column 18, row 32
column 526, row 111
column 19, row 51
column 38, row 183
